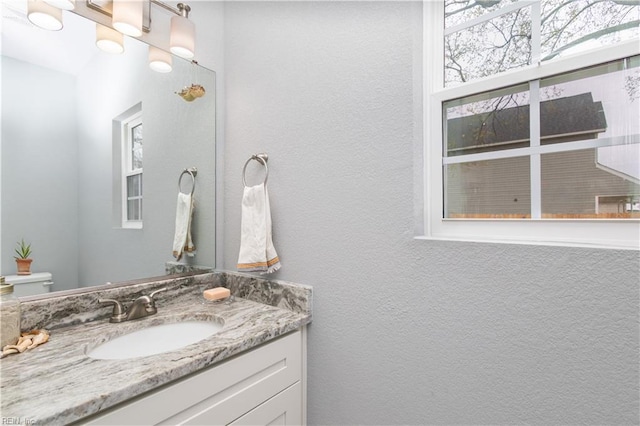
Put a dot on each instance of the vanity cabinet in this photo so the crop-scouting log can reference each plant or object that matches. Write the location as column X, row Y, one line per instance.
column 265, row 385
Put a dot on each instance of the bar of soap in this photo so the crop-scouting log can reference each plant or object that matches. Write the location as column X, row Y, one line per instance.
column 217, row 293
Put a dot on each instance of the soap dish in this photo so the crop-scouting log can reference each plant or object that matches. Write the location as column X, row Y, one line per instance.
column 226, row 300
column 217, row 295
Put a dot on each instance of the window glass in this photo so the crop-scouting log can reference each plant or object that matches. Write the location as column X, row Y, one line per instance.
column 457, row 12
column 134, row 209
column 596, row 102
column 488, row 189
column 134, row 185
column 602, row 105
column 569, row 26
column 484, row 38
column 132, row 162
column 489, row 122
column 136, row 147
column 574, row 187
column 488, row 48
column 584, row 153
column 134, row 197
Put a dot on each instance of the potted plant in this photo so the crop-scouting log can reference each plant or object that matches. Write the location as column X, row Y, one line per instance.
column 23, row 261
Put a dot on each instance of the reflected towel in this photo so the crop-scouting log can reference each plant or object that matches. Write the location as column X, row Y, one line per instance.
column 182, row 239
column 257, row 253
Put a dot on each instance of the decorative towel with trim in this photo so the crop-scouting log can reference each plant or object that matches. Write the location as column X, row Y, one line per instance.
column 182, row 242
column 257, row 253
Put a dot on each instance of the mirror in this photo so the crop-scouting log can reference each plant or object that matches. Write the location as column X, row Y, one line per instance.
column 64, row 104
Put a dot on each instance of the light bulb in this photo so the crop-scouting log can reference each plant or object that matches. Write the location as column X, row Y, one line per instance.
column 109, row 40
column 127, row 17
column 159, row 60
column 44, row 15
column 182, row 40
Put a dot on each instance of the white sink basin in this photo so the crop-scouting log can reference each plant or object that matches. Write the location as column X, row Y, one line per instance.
column 155, row 339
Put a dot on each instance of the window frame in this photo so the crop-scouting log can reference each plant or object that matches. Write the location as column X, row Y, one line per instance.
column 126, row 170
column 601, row 233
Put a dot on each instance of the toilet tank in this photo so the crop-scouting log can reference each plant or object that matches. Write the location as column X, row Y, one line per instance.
column 29, row 285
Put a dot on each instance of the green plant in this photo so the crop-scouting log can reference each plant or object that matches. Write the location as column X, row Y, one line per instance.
column 23, row 251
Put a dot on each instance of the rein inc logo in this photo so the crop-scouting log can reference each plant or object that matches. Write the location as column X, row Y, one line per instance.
column 17, row 421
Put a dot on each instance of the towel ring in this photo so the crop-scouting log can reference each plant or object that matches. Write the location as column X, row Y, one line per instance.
column 191, row 172
column 261, row 158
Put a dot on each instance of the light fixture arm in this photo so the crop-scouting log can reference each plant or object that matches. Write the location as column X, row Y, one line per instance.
column 182, row 9
column 106, row 8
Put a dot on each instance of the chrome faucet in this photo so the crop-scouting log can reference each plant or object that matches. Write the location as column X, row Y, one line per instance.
column 141, row 307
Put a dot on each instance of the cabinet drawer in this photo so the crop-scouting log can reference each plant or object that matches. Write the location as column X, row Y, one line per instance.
column 284, row 409
column 221, row 393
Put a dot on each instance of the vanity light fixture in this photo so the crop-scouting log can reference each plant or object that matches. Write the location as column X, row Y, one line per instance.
column 44, row 15
column 62, row 4
column 109, row 40
column 132, row 17
column 127, row 17
column 183, row 33
column 159, row 60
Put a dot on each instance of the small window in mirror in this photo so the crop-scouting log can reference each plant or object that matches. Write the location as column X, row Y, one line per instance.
column 131, row 170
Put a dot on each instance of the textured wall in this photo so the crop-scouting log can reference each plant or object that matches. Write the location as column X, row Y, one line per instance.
column 407, row 331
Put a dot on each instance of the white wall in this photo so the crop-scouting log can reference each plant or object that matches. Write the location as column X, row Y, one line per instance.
column 38, row 169
column 406, row 331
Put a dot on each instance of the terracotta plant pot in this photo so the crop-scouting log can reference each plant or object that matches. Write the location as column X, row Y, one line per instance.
column 24, row 266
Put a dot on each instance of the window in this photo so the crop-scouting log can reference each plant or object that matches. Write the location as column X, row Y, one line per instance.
column 131, row 169
column 532, row 120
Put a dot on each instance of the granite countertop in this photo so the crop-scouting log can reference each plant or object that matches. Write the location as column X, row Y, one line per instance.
column 57, row 383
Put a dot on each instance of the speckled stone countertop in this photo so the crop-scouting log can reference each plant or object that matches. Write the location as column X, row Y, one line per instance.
column 57, row 383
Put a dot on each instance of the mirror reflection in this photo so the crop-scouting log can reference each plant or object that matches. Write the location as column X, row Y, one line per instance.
column 93, row 147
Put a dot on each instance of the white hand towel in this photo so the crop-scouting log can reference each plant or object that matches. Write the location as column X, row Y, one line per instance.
column 257, row 253
column 182, row 239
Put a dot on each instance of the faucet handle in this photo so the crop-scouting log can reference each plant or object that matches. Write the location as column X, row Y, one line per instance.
column 117, row 306
column 156, row 292
column 118, row 311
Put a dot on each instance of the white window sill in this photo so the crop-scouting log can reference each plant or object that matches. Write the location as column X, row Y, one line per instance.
column 597, row 244
column 132, row 226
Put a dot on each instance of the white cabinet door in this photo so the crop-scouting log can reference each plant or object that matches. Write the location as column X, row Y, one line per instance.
column 284, row 409
column 250, row 379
